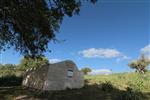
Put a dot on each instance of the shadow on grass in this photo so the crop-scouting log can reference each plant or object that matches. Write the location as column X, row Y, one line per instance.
column 103, row 91
column 10, row 80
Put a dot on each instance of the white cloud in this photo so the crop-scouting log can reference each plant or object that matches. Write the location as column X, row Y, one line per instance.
column 52, row 61
column 102, row 53
column 146, row 50
column 100, row 72
column 122, row 58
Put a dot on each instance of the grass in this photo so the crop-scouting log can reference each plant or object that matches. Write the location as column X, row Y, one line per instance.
column 125, row 86
column 91, row 92
column 123, row 80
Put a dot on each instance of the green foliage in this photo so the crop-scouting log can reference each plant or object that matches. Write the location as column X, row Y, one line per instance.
column 1, row 66
column 125, row 86
column 29, row 62
column 10, row 76
column 10, row 72
column 121, row 81
column 140, row 65
column 138, row 85
column 29, row 25
column 107, row 86
column 129, row 94
column 85, row 70
column 8, row 66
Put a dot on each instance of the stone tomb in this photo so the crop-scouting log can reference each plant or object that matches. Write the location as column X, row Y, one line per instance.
column 58, row 76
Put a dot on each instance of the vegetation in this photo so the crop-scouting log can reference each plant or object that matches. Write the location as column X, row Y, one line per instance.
column 125, row 86
column 140, row 65
column 29, row 62
column 29, row 25
column 86, row 70
column 121, row 86
column 123, row 81
column 12, row 75
column 8, row 70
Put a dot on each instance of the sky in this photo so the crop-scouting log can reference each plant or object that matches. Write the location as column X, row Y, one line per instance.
column 105, row 36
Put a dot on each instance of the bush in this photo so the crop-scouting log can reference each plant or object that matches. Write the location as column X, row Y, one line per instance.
column 131, row 94
column 107, row 86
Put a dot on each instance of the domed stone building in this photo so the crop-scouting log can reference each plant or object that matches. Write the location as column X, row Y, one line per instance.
column 58, row 76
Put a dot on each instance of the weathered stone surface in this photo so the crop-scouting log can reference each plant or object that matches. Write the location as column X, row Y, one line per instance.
column 57, row 76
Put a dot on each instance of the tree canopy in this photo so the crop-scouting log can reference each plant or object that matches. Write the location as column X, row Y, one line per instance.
column 86, row 70
column 29, row 25
column 140, row 65
column 28, row 62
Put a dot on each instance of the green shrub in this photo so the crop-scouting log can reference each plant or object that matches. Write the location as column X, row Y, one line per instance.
column 131, row 94
column 107, row 86
column 137, row 84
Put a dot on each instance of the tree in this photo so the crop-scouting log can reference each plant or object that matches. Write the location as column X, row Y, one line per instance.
column 29, row 62
column 29, row 25
column 140, row 65
column 1, row 66
column 9, row 66
column 85, row 70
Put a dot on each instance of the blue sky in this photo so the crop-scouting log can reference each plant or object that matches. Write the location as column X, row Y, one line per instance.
column 104, row 36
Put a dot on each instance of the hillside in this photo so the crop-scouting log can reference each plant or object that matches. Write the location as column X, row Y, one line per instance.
column 123, row 80
column 123, row 86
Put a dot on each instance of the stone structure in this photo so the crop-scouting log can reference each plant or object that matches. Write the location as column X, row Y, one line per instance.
column 58, row 76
